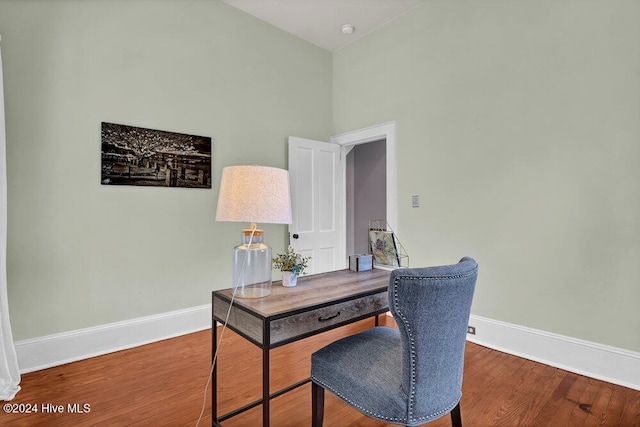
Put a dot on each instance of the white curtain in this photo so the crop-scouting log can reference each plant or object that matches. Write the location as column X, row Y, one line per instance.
column 9, row 373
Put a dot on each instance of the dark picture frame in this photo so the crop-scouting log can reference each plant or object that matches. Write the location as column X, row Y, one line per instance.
column 147, row 157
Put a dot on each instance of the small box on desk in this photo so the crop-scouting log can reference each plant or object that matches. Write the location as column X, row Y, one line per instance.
column 360, row 262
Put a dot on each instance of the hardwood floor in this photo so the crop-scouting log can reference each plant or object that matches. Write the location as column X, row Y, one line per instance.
column 162, row 384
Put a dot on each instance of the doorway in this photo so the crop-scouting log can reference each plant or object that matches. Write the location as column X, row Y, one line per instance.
column 318, row 178
column 366, row 192
column 375, row 142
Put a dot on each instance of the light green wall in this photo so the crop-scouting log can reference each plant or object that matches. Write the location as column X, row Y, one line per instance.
column 519, row 127
column 81, row 254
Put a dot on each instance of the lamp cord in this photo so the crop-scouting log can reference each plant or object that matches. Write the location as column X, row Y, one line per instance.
column 224, row 328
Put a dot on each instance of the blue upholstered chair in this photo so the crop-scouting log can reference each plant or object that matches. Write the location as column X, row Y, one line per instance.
column 413, row 374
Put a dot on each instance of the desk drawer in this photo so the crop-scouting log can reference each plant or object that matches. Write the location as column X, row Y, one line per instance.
column 291, row 327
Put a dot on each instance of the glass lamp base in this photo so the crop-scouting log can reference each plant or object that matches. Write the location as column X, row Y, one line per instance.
column 252, row 266
column 249, row 292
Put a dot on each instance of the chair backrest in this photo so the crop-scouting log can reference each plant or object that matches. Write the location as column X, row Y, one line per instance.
column 431, row 306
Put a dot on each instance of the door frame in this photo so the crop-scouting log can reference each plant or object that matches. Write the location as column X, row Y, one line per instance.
column 347, row 140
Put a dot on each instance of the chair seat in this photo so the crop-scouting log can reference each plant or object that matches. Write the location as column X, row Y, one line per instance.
column 364, row 370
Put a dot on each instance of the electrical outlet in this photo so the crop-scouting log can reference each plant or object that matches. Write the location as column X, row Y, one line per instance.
column 415, row 201
column 471, row 330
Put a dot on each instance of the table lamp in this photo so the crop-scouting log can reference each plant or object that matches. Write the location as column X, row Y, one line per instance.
column 253, row 194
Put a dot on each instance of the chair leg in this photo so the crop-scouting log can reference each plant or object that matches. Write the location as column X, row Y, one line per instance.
column 456, row 419
column 317, row 403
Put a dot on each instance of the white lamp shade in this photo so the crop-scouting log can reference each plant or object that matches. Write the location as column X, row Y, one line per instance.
column 254, row 194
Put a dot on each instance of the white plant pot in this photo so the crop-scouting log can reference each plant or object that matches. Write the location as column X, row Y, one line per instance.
column 289, row 279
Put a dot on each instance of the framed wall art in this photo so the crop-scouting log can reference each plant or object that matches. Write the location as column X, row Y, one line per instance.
column 139, row 156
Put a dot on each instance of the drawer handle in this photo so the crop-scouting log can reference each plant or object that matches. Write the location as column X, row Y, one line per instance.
column 326, row 319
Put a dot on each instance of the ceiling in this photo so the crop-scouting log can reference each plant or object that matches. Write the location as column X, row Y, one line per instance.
column 320, row 21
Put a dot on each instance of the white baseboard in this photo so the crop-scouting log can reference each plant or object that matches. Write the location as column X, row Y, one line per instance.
column 53, row 350
column 602, row 362
column 594, row 360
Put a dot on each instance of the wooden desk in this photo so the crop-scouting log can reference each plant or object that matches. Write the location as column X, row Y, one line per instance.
column 319, row 303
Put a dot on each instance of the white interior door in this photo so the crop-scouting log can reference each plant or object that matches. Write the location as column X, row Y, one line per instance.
column 315, row 173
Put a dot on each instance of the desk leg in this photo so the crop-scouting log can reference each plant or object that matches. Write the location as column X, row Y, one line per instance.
column 214, row 375
column 265, row 387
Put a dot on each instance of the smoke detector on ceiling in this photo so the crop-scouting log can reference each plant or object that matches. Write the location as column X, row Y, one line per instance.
column 348, row 29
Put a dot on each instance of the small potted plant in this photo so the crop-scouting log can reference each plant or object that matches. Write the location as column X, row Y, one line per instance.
column 292, row 264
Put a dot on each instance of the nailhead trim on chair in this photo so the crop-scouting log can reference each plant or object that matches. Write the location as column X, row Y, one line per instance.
column 407, row 326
